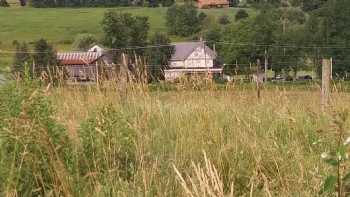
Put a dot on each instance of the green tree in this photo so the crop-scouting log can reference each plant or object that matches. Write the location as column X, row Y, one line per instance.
column 159, row 56
column 84, row 41
column 20, row 58
column 44, row 57
column 258, row 32
column 329, row 26
column 123, row 30
column 212, row 36
column 242, row 32
column 290, row 31
column 182, row 20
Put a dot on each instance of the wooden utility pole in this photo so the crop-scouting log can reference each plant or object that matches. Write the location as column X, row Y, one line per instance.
column 326, row 79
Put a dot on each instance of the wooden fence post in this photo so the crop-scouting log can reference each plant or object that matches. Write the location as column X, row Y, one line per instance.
column 259, row 78
column 265, row 65
column 326, row 79
column 97, row 76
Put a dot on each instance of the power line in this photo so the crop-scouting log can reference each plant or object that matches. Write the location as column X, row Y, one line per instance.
column 239, row 44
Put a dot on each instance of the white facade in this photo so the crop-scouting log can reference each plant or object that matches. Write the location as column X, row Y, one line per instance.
column 192, row 59
column 199, row 58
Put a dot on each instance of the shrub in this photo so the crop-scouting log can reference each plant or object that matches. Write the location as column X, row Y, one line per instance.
column 108, row 144
column 241, row 14
column 224, row 20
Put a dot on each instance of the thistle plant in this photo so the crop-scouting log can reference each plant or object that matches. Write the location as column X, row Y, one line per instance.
column 338, row 159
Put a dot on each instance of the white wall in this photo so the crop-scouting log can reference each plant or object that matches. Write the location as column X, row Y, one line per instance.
column 198, row 59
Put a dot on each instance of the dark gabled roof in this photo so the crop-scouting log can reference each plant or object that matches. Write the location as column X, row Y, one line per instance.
column 78, row 58
column 184, row 49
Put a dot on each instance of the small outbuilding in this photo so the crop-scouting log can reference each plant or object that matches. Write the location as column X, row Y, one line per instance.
column 80, row 66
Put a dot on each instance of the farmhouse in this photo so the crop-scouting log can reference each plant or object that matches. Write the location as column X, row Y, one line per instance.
column 192, row 58
column 212, row 3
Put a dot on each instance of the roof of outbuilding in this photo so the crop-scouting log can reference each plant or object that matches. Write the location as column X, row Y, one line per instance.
column 184, row 49
column 78, row 58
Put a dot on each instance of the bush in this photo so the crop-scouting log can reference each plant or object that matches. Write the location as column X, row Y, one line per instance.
column 108, row 144
column 241, row 14
column 84, row 41
column 224, row 20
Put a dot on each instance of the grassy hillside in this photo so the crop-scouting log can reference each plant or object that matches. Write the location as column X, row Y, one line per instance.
column 60, row 26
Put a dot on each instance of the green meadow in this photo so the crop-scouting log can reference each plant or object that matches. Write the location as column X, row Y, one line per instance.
column 61, row 25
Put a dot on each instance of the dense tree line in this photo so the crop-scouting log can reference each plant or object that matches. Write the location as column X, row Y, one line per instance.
column 98, row 3
column 80, row 3
column 292, row 35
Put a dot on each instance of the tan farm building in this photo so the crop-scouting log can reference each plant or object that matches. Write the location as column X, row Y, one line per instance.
column 202, row 4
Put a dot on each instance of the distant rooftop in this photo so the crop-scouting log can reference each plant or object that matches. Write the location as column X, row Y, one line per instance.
column 185, row 49
column 78, row 58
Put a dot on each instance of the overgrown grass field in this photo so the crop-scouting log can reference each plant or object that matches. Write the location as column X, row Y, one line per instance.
column 136, row 141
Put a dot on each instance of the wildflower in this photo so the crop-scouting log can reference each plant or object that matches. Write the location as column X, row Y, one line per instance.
column 339, row 156
column 347, row 141
column 324, row 155
column 316, row 142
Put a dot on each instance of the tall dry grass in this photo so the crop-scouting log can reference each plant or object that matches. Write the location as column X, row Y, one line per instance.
column 267, row 147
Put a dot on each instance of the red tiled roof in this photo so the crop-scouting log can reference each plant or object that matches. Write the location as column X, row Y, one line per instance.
column 78, row 58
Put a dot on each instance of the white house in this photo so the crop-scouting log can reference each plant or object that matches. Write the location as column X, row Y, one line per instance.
column 192, row 58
